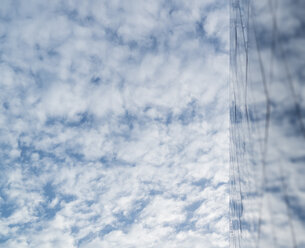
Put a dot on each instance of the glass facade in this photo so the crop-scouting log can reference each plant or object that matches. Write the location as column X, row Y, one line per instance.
column 267, row 123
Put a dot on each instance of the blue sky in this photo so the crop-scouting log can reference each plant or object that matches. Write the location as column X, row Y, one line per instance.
column 114, row 123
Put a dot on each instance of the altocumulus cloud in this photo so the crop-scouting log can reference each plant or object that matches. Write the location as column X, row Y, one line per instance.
column 113, row 123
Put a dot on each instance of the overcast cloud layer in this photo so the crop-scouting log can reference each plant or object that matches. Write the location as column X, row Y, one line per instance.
column 114, row 123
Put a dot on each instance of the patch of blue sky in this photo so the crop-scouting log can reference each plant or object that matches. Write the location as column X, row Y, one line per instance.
column 190, row 221
column 7, row 208
column 81, row 120
column 26, row 157
column 187, row 116
column 49, row 191
column 84, row 240
column 127, row 219
column 111, row 160
column 45, row 212
column 74, row 16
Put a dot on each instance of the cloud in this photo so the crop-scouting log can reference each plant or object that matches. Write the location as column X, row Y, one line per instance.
column 114, row 128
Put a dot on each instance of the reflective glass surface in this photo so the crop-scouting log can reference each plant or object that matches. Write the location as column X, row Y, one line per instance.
column 267, row 130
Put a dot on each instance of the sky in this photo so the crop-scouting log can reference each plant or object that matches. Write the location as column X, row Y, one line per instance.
column 114, row 123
